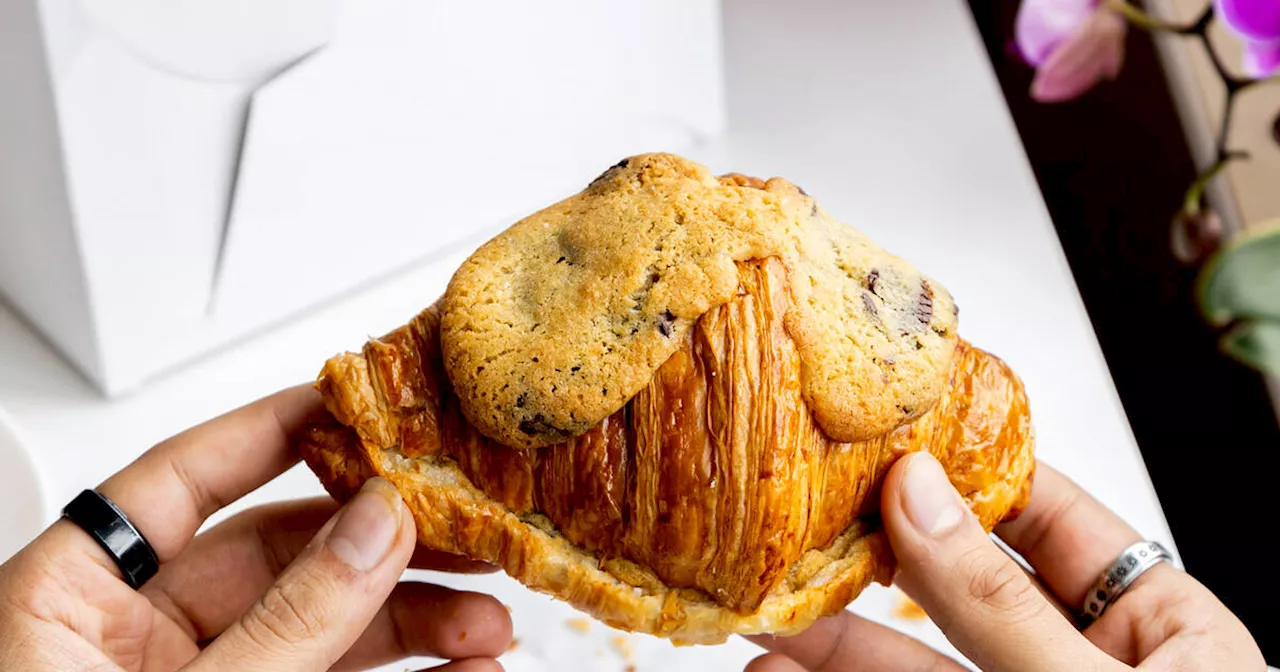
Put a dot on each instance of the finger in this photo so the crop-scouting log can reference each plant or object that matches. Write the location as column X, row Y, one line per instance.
column 242, row 556
column 1181, row 625
column 170, row 491
column 422, row 619
column 324, row 600
column 1068, row 536
column 773, row 662
column 849, row 642
column 980, row 598
column 429, row 558
column 469, row 665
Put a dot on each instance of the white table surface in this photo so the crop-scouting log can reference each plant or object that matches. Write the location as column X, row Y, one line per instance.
column 895, row 123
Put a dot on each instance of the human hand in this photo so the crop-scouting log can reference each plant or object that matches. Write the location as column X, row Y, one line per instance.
column 999, row 616
column 299, row 585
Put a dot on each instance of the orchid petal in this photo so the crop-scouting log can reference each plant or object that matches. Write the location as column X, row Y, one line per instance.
column 1261, row 59
column 1042, row 25
column 1254, row 20
column 1093, row 53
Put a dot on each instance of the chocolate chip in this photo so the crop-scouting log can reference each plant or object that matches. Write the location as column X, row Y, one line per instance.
column 813, row 210
column 872, row 277
column 870, row 304
column 604, row 391
column 612, row 169
column 575, row 369
column 801, row 190
column 522, row 399
column 665, row 322
column 924, row 305
column 560, row 260
column 538, row 425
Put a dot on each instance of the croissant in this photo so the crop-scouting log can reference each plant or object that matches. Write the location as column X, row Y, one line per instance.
column 713, row 500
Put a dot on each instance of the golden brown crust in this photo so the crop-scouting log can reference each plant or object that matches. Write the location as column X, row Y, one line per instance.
column 561, row 319
column 453, row 516
column 710, row 504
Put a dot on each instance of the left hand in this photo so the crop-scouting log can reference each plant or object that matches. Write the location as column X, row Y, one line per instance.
column 273, row 588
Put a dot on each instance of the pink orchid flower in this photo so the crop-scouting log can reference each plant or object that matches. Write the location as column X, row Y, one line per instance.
column 1073, row 44
column 1257, row 22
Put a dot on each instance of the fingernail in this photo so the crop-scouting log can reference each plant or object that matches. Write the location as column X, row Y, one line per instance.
column 928, row 497
column 367, row 525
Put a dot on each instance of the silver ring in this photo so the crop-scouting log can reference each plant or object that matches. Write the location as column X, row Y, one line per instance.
column 1131, row 564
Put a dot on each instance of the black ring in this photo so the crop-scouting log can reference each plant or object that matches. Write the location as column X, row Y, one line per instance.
column 107, row 524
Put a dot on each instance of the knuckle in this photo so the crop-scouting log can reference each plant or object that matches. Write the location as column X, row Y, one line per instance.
column 27, row 590
column 934, row 663
column 203, row 500
column 1050, row 519
column 42, row 583
column 283, row 615
column 835, row 656
column 275, row 552
column 1001, row 587
column 1169, row 607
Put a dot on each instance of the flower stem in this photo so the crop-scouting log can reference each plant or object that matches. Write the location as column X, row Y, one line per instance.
column 1144, row 20
column 1195, row 193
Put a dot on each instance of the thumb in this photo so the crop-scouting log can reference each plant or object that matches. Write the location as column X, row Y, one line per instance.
column 980, row 598
column 325, row 598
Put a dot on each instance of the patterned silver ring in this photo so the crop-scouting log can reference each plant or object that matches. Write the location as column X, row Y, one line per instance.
column 1131, row 564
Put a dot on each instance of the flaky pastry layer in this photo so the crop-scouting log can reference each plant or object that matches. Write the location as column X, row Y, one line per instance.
column 711, row 504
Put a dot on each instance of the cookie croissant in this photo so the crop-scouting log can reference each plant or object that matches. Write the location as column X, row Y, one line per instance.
column 671, row 400
column 712, row 502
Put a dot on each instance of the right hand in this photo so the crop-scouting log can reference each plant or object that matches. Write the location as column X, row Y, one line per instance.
column 999, row 616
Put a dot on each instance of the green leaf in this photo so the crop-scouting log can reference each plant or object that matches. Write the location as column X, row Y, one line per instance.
column 1242, row 280
column 1255, row 343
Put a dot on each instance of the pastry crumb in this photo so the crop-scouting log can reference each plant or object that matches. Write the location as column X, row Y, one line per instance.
column 907, row 609
column 580, row 625
column 623, row 647
column 515, row 644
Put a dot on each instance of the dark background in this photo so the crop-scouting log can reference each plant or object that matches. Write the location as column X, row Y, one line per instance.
column 1113, row 167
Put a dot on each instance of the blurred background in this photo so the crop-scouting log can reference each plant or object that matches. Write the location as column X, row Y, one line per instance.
column 1114, row 165
column 201, row 201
